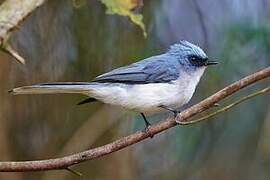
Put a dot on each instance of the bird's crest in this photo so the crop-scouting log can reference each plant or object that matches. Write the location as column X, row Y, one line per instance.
column 185, row 48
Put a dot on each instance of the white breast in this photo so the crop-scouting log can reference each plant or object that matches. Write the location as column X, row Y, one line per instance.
column 147, row 97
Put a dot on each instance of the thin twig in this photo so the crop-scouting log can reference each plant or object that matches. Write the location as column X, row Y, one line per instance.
column 226, row 108
column 201, row 18
column 9, row 50
column 67, row 161
column 77, row 173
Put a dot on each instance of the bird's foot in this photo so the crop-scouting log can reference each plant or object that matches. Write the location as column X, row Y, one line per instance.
column 146, row 131
column 147, row 126
column 175, row 113
column 216, row 105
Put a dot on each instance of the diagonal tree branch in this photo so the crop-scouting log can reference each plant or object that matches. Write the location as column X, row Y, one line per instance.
column 226, row 108
column 67, row 161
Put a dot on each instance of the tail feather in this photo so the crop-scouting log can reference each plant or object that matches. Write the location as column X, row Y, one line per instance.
column 53, row 88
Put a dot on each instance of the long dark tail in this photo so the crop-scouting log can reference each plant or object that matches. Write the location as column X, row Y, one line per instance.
column 54, row 88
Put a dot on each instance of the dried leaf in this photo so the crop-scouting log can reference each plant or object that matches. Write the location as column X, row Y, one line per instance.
column 124, row 8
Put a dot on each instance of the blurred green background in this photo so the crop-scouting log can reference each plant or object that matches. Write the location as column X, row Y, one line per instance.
column 62, row 42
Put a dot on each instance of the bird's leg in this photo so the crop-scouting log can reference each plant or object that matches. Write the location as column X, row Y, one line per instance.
column 147, row 124
column 175, row 112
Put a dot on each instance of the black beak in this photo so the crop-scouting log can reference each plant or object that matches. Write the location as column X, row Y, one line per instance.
column 208, row 63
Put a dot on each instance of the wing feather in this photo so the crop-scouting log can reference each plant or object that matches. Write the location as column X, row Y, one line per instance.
column 157, row 69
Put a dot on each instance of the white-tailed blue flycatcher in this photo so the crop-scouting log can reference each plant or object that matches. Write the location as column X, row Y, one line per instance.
column 165, row 81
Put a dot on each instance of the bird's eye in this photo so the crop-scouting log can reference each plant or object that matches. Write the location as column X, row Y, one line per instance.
column 196, row 61
column 193, row 58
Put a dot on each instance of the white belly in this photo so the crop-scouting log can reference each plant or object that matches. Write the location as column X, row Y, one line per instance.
column 147, row 97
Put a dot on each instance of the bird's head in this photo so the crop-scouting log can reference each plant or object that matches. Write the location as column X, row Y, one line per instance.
column 190, row 56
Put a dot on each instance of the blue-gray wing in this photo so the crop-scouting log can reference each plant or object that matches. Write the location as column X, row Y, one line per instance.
column 156, row 69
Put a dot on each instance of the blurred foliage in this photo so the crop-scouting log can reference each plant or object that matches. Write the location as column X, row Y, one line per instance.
column 78, row 3
column 246, row 45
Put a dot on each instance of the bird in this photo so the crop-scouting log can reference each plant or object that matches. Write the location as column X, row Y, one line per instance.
column 162, row 82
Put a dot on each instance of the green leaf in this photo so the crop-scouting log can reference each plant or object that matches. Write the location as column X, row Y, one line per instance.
column 124, row 8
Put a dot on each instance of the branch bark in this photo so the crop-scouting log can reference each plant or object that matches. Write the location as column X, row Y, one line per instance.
column 67, row 161
column 12, row 14
column 226, row 108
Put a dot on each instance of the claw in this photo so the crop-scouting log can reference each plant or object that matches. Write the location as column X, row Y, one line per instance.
column 175, row 114
column 146, row 131
column 216, row 105
column 147, row 125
